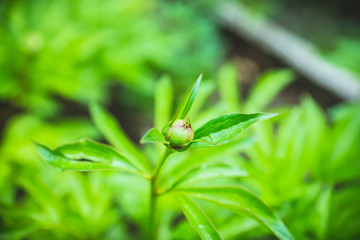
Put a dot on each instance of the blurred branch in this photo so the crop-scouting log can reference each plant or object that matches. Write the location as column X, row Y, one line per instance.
column 296, row 52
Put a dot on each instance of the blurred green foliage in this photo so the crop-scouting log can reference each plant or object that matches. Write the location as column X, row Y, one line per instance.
column 75, row 49
column 307, row 166
column 345, row 53
column 304, row 163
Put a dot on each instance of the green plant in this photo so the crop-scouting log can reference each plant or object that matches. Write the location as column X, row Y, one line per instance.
column 310, row 168
column 76, row 58
column 177, row 136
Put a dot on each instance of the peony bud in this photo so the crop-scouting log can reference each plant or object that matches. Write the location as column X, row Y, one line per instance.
column 179, row 133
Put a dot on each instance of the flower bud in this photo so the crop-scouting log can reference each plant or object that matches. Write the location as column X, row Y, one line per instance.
column 179, row 133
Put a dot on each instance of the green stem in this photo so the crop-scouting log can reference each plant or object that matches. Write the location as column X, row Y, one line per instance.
column 153, row 193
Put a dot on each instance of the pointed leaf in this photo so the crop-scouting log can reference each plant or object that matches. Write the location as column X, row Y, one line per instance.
column 242, row 201
column 153, row 136
column 266, row 88
column 163, row 101
column 191, row 98
column 85, row 155
column 229, row 87
column 202, row 97
column 198, row 219
column 112, row 131
column 222, row 129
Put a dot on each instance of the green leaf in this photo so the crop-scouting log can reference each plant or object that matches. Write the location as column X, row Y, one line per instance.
column 266, row 88
column 198, row 219
column 322, row 210
column 163, row 105
column 43, row 196
column 206, row 172
column 222, row 129
column 191, row 98
column 242, row 201
column 207, row 88
column 314, row 120
column 112, row 131
column 229, row 87
column 346, row 133
column 184, row 163
column 153, row 136
column 285, row 135
column 163, row 101
column 18, row 233
column 85, row 155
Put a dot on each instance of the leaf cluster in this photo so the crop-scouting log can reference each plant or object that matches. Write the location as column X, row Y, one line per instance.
column 288, row 167
column 87, row 155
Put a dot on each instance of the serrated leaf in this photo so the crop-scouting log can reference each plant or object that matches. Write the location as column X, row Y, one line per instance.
column 153, row 136
column 222, row 129
column 206, row 172
column 191, row 97
column 242, row 201
column 112, row 131
column 198, row 219
column 85, row 155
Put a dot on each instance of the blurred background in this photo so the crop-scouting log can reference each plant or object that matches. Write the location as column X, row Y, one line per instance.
column 301, row 59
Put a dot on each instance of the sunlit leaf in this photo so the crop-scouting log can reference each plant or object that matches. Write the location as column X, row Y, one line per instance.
column 191, row 98
column 85, row 155
column 228, row 86
column 153, row 136
column 198, row 219
column 242, row 201
column 266, row 88
column 112, row 131
column 316, row 134
column 224, row 128
column 163, row 101
column 322, row 209
column 285, row 133
column 347, row 132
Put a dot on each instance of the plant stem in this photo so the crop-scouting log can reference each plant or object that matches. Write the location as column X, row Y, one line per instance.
column 153, row 193
column 158, row 166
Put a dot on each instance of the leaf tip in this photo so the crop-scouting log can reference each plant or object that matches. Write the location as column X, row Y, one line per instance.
column 273, row 115
column 266, row 116
column 95, row 109
column 200, row 76
column 42, row 150
column 93, row 104
column 38, row 145
column 142, row 141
